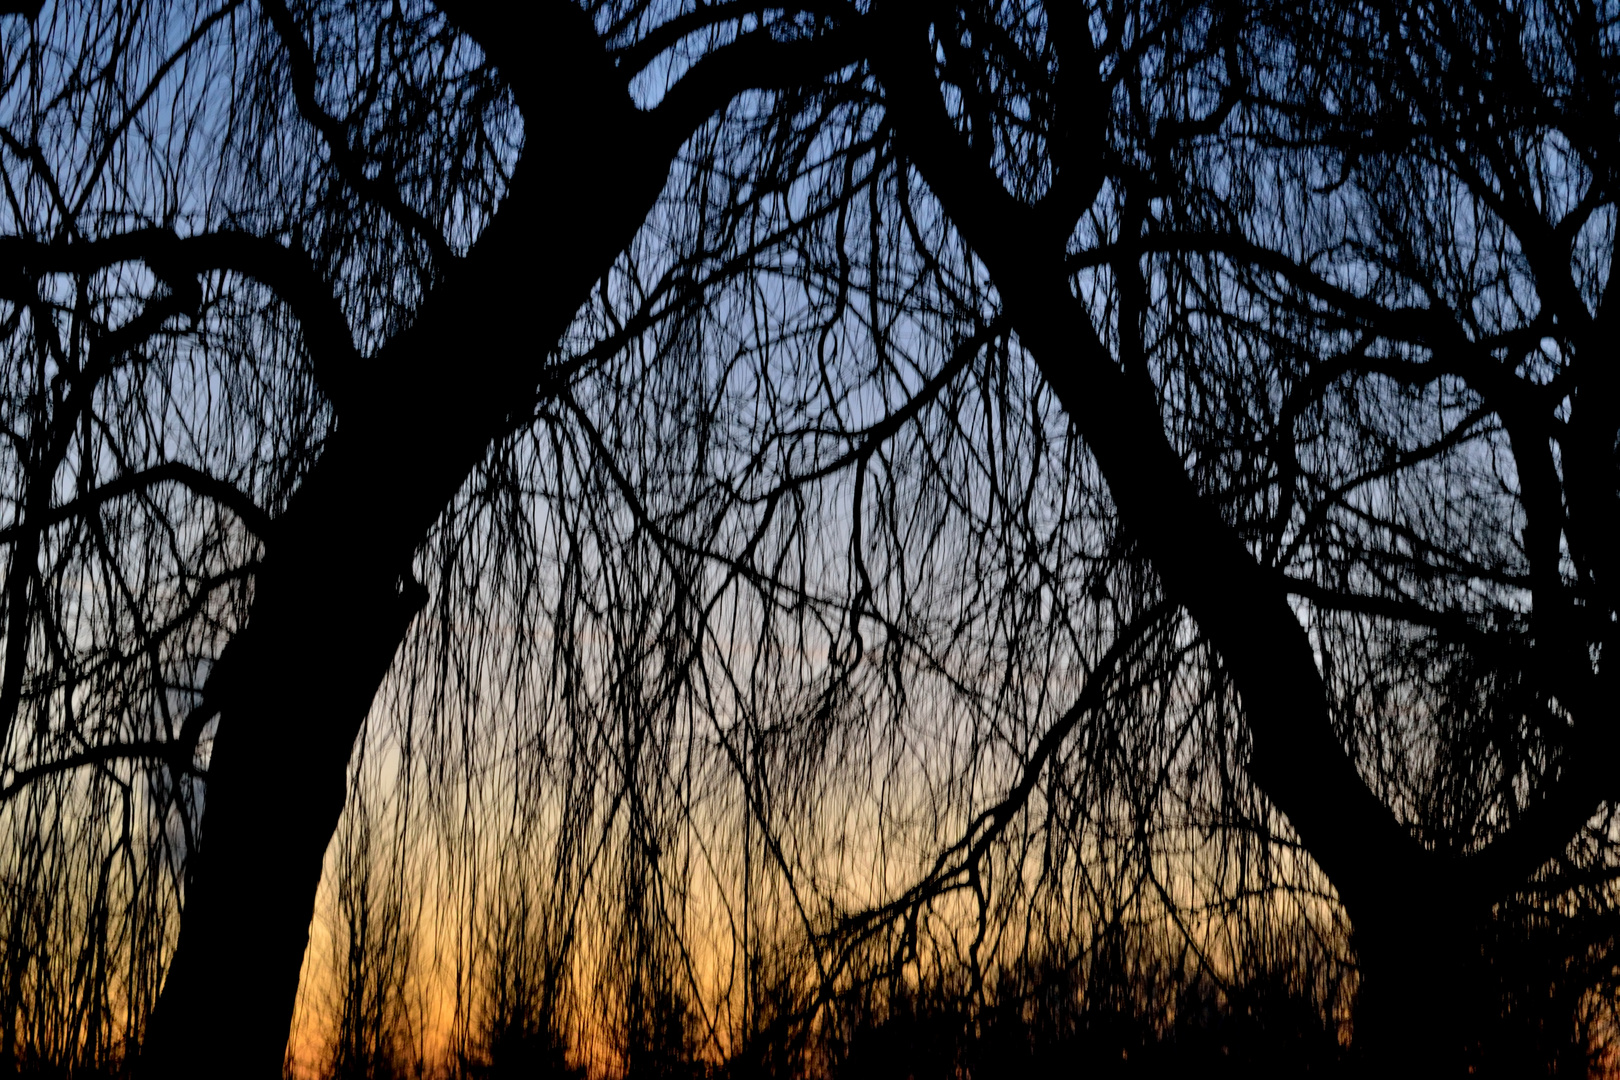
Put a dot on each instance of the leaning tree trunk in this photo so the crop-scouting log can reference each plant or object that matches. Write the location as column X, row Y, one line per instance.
column 295, row 687
column 1413, row 936
column 1407, row 932
column 336, row 594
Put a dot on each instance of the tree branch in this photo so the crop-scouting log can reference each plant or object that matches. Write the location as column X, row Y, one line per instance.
column 97, row 755
column 283, row 270
column 755, row 61
column 350, row 163
column 220, row 491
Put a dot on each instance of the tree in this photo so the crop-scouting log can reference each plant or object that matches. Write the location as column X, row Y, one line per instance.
column 1344, row 388
column 145, row 249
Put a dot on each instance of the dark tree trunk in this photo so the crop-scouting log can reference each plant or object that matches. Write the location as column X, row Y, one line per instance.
column 336, row 595
column 1423, row 990
column 301, row 680
column 1400, row 897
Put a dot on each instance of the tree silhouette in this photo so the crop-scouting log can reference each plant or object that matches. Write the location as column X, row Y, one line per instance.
column 1315, row 284
column 417, row 201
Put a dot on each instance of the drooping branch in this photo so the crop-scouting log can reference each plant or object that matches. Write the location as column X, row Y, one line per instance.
column 179, row 260
column 211, row 487
column 959, row 859
column 175, row 754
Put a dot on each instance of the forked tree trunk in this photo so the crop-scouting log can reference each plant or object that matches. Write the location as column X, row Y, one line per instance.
column 335, row 596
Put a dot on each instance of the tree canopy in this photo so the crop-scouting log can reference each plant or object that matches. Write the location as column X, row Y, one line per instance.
column 710, row 507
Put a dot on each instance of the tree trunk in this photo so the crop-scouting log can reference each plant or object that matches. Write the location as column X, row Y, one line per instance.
column 301, row 680
column 336, row 596
column 1380, row 871
column 1423, row 990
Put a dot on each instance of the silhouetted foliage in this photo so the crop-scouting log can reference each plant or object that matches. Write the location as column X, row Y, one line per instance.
column 850, row 539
